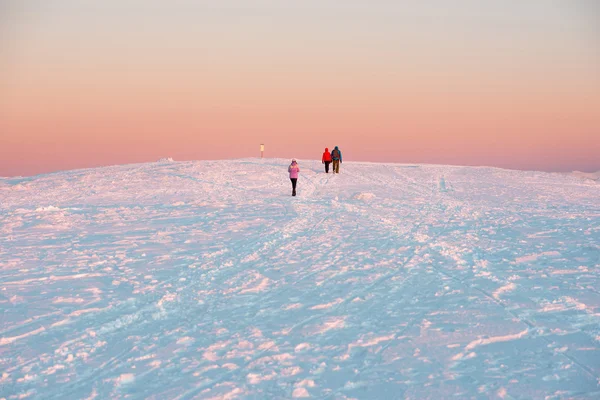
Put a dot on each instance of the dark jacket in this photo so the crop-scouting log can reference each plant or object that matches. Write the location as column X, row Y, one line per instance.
column 336, row 154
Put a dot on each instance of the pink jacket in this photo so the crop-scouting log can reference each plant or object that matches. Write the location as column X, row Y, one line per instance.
column 294, row 169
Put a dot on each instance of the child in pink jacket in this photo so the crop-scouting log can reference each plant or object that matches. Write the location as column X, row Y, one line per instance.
column 294, row 170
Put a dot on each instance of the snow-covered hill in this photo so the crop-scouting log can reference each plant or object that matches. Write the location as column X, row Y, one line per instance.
column 208, row 280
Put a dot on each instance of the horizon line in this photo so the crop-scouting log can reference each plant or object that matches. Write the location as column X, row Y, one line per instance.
column 168, row 160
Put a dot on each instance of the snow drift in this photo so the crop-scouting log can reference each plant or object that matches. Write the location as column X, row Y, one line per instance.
column 593, row 176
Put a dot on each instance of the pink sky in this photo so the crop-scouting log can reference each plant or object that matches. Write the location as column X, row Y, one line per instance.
column 514, row 86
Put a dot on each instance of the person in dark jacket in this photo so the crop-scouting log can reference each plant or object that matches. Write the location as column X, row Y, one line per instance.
column 336, row 156
column 326, row 159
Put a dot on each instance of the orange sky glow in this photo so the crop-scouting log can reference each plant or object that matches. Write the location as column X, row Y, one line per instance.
column 494, row 83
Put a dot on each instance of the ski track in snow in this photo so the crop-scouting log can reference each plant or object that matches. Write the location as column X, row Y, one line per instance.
column 208, row 280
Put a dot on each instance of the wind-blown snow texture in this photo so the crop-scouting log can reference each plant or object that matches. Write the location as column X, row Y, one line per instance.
column 208, row 280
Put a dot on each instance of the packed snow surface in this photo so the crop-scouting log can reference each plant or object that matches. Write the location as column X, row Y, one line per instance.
column 208, row 280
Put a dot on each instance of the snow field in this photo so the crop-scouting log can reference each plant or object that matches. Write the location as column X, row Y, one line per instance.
column 208, row 280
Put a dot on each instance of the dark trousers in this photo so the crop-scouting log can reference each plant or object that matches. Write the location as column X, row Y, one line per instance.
column 336, row 166
column 327, row 166
column 294, row 181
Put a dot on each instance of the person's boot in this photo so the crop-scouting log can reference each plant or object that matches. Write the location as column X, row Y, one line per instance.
column 294, row 192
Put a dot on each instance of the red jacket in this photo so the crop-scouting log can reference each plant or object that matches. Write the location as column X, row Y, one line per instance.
column 326, row 156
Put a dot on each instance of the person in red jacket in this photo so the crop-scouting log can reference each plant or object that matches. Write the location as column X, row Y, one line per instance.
column 326, row 160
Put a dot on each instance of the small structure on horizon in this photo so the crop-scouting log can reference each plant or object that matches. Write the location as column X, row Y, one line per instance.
column 262, row 150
